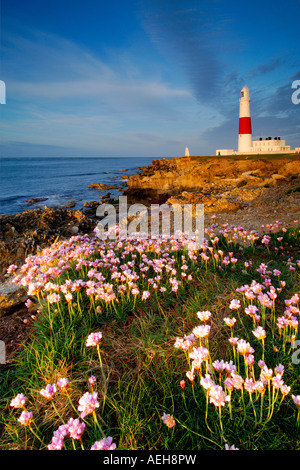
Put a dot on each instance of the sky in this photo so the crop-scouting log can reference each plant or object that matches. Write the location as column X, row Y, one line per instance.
column 145, row 78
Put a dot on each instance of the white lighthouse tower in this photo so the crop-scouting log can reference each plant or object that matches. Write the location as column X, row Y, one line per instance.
column 245, row 129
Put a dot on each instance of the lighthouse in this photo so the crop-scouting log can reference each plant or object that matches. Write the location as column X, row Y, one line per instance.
column 245, row 130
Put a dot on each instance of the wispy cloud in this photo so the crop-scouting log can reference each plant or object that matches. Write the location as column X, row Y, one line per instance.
column 188, row 34
column 267, row 67
column 68, row 96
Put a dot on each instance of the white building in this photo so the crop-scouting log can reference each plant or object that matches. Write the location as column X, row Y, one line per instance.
column 270, row 145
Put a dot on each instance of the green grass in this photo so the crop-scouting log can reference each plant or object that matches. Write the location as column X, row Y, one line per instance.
column 139, row 375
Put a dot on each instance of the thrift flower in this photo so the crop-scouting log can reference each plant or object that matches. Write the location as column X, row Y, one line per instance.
column 92, row 380
column 168, row 420
column 218, row 396
column 25, row 418
column 235, row 304
column 259, row 333
column 87, row 403
column 230, row 321
column 93, row 339
column 63, row 383
column 49, row 391
column 104, row 444
column 75, row 428
column 204, row 316
column 231, row 448
column 19, row 401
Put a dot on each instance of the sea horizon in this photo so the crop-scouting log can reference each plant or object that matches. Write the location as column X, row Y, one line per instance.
column 58, row 181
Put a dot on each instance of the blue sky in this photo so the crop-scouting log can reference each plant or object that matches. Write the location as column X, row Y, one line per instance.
column 145, row 77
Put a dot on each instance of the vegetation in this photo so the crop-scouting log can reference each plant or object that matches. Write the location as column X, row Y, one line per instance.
column 156, row 344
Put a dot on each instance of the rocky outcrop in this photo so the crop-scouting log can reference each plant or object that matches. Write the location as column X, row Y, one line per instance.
column 102, row 186
column 207, row 179
column 30, row 231
column 11, row 295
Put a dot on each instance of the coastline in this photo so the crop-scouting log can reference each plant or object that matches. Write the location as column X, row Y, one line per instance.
column 250, row 192
column 232, row 194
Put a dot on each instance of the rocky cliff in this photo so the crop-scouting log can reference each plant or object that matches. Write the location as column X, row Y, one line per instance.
column 243, row 189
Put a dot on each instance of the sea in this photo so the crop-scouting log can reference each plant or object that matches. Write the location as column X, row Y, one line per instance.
column 59, row 181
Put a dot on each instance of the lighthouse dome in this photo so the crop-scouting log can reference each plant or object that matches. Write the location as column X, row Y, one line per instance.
column 245, row 92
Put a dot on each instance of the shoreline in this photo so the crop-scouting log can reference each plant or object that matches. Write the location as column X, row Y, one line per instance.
column 255, row 204
column 246, row 192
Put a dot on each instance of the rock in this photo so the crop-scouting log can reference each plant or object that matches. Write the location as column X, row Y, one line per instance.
column 102, row 186
column 278, row 177
column 10, row 233
column 11, row 295
column 35, row 199
column 37, row 228
column 69, row 205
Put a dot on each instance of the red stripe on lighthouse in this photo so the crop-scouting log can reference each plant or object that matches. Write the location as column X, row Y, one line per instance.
column 245, row 125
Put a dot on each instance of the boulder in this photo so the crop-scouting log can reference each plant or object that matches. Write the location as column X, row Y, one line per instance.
column 11, row 295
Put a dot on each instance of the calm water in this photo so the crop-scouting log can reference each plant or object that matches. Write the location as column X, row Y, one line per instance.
column 60, row 180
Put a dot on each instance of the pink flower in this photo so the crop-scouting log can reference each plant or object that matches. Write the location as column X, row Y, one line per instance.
column 277, row 381
column 243, row 347
column 63, row 383
column 233, row 340
column 260, row 386
column 285, row 390
column 229, row 384
column 237, row 381
column 168, row 420
column 146, row 295
column 52, row 298
column 235, row 304
column 229, row 321
column 57, row 443
column 279, row 369
column 266, row 373
column 11, row 269
column 88, row 403
column 75, row 428
column 93, row 339
column 182, row 384
column 201, row 331
column 68, row 297
column 199, row 354
column 207, row 383
column 251, row 310
column 19, row 401
column 218, row 396
column 259, row 333
column 249, row 385
column 296, row 400
column 219, row 366
column 28, row 303
column 25, row 418
column 204, row 316
column 104, row 444
column 92, row 380
column 231, row 448
column 191, row 376
column 49, row 391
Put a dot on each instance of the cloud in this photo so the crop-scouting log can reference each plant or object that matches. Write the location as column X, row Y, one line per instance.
column 66, row 96
column 267, row 67
column 187, row 34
